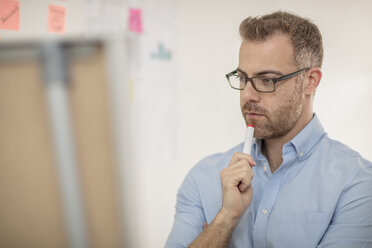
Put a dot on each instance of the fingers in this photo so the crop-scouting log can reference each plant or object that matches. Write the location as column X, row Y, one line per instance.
column 236, row 184
column 245, row 183
column 239, row 175
column 237, row 156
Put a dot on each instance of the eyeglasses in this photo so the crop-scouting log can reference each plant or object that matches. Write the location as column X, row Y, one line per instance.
column 260, row 84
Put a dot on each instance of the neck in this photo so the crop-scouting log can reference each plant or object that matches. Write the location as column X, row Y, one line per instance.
column 272, row 148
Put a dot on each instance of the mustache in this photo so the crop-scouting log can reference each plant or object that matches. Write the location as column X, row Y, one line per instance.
column 251, row 107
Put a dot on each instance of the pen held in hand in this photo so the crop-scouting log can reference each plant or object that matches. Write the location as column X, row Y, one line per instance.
column 248, row 139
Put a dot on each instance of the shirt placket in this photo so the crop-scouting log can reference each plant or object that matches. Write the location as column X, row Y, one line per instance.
column 268, row 200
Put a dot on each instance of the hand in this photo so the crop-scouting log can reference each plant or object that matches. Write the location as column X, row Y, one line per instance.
column 237, row 195
column 236, row 185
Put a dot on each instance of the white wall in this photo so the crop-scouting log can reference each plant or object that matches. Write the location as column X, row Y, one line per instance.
column 209, row 118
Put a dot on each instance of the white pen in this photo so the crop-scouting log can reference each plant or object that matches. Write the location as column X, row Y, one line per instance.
column 248, row 139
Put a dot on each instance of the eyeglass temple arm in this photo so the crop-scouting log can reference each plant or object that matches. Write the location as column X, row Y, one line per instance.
column 290, row 75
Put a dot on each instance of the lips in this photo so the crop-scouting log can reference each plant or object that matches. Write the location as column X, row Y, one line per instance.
column 253, row 115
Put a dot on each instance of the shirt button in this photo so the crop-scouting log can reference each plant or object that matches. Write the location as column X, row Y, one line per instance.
column 264, row 211
column 265, row 168
column 301, row 154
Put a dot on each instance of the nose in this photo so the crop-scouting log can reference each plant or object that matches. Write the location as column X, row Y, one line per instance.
column 249, row 93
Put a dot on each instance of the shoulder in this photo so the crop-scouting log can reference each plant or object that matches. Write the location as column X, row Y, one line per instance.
column 215, row 162
column 206, row 173
column 342, row 152
column 340, row 159
column 209, row 167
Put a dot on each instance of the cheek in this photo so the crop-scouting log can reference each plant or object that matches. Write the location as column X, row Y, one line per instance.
column 242, row 101
column 272, row 103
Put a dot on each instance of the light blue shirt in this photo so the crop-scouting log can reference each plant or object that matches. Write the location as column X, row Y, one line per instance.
column 321, row 196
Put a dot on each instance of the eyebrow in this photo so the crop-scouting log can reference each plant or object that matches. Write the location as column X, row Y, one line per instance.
column 261, row 73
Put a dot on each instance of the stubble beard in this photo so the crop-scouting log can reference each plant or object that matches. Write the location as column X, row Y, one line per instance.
column 278, row 122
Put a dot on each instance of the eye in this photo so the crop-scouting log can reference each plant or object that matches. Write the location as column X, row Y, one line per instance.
column 266, row 80
column 241, row 81
column 241, row 78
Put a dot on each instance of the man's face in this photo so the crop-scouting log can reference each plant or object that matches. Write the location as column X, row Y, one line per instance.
column 272, row 114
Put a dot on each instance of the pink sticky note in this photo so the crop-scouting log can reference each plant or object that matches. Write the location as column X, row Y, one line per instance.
column 57, row 19
column 135, row 20
column 9, row 15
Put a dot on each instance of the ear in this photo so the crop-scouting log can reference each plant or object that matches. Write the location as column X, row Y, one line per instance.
column 313, row 79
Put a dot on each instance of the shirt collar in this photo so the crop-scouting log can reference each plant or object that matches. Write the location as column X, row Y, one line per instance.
column 303, row 142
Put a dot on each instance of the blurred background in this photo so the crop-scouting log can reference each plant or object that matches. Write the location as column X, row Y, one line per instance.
column 105, row 105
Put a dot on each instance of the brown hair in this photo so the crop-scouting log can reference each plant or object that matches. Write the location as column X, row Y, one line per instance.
column 305, row 36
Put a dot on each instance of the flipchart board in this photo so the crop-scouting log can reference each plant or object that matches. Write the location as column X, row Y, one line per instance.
column 31, row 209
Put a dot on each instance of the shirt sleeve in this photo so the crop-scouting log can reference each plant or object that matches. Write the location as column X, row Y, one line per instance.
column 351, row 225
column 189, row 217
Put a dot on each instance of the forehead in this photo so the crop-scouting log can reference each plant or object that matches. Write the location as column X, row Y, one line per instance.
column 275, row 53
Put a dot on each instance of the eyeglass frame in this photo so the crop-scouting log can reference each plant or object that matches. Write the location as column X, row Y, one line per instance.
column 275, row 80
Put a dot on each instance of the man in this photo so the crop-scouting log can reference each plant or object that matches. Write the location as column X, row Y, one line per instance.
column 299, row 188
